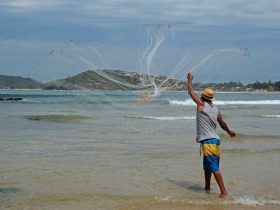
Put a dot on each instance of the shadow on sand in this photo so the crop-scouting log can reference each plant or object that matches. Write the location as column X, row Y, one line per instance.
column 187, row 185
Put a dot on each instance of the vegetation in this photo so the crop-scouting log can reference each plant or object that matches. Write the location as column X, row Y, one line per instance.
column 15, row 82
column 100, row 80
column 238, row 86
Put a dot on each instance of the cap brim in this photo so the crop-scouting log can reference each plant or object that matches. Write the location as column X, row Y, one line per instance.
column 206, row 97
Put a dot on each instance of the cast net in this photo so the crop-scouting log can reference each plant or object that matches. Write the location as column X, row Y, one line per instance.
column 149, row 58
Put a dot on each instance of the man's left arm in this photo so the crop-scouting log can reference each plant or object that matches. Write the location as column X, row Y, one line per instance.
column 224, row 126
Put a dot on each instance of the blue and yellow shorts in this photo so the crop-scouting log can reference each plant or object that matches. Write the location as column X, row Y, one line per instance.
column 211, row 154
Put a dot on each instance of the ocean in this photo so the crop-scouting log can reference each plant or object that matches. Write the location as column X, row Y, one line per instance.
column 109, row 150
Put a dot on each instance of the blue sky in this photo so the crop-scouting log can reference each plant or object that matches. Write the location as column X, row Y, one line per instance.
column 113, row 33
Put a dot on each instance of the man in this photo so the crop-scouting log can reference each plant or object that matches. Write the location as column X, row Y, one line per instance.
column 208, row 116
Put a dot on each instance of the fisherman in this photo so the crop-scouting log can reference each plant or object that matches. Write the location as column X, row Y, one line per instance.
column 208, row 116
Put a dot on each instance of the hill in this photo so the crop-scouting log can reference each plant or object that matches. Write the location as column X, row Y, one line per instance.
column 125, row 80
column 112, row 80
column 17, row 82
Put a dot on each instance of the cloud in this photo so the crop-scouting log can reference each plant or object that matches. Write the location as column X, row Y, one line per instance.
column 30, row 5
column 257, row 12
column 29, row 28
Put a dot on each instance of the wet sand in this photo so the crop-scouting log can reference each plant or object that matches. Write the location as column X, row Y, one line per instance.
column 118, row 204
column 193, row 207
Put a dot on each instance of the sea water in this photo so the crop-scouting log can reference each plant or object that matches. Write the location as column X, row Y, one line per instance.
column 110, row 150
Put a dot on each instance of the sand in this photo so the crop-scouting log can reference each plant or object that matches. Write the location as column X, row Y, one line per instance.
column 201, row 207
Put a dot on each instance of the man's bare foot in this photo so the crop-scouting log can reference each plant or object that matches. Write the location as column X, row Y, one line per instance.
column 224, row 195
column 207, row 189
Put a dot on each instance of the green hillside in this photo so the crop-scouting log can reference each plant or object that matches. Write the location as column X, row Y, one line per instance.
column 126, row 80
column 16, row 82
column 98, row 79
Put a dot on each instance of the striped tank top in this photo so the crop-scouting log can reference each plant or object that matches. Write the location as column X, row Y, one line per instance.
column 206, row 122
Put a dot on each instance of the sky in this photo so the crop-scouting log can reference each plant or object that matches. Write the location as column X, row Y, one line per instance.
column 53, row 39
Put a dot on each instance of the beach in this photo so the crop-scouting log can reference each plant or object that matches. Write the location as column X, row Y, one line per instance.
column 110, row 150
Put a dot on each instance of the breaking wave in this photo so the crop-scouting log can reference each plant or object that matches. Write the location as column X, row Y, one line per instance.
column 271, row 115
column 164, row 118
column 246, row 200
column 189, row 102
column 252, row 201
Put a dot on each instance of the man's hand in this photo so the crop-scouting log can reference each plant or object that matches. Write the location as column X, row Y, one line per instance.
column 193, row 95
column 190, row 76
column 232, row 133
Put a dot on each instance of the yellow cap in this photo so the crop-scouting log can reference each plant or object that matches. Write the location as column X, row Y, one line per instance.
column 208, row 93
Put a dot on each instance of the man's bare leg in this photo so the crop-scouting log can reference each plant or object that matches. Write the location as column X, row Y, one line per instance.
column 219, row 179
column 207, row 176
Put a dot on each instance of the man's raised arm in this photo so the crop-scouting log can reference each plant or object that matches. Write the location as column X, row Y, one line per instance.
column 193, row 95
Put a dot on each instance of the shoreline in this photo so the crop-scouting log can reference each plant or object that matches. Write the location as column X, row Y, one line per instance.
column 202, row 207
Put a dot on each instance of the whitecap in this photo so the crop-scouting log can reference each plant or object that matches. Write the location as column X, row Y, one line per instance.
column 163, row 198
column 271, row 115
column 260, row 102
column 189, row 102
column 164, row 118
column 252, row 201
column 169, row 118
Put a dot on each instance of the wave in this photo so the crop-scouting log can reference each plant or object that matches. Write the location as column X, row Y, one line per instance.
column 189, row 102
column 261, row 102
column 246, row 200
column 166, row 118
column 252, row 201
column 271, row 115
